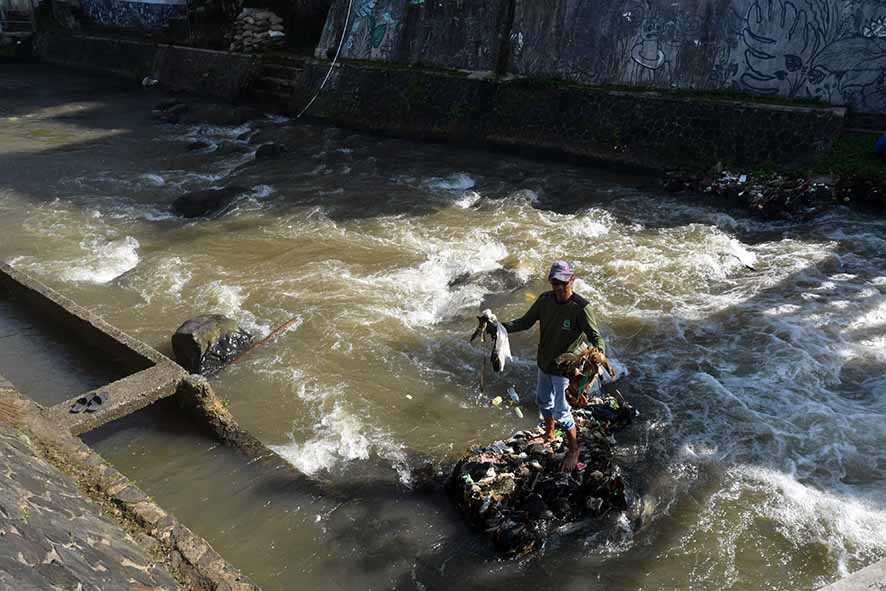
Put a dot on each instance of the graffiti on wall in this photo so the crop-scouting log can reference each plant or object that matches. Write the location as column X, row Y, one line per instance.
column 374, row 32
column 832, row 50
column 141, row 14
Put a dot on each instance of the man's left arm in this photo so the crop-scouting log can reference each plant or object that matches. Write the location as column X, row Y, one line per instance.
column 588, row 325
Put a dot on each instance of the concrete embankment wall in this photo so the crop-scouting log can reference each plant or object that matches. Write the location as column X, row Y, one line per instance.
column 644, row 129
column 828, row 50
column 200, row 71
column 653, row 130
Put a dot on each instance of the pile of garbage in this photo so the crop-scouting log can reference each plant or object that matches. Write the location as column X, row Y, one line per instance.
column 256, row 31
column 776, row 196
column 515, row 490
column 772, row 196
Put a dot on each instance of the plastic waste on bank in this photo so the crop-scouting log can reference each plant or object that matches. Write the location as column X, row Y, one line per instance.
column 496, row 401
column 512, row 393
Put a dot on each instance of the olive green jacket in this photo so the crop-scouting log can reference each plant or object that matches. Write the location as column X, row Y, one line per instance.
column 563, row 328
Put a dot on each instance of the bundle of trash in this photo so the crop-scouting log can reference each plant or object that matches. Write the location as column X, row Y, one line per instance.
column 515, row 489
column 256, row 30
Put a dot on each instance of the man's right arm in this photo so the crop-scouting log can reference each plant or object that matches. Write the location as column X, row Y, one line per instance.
column 526, row 321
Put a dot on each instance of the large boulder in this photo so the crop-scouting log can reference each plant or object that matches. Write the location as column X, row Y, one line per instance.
column 205, row 202
column 206, row 343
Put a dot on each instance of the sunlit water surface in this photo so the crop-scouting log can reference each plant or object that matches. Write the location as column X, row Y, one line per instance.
column 754, row 350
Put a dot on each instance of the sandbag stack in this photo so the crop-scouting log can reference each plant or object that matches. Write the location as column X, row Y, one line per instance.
column 256, row 31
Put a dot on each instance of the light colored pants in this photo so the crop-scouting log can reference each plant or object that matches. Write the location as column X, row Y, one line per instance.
column 551, row 397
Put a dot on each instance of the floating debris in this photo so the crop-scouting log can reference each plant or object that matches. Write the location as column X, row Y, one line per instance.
column 515, row 491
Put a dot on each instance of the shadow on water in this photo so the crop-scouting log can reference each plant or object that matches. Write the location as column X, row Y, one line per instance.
column 110, row 119
column 42, row 360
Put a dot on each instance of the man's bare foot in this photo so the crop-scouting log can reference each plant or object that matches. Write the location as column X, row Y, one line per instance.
column 570, row 462
column 550, row 426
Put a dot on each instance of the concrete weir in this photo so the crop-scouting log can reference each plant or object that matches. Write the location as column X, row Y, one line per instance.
column 145, row 537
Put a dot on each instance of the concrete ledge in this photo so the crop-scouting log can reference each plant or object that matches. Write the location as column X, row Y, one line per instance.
column 871, row 578
column 83, row 325
column 188, row 556
column 197, row 397
column 125, row 396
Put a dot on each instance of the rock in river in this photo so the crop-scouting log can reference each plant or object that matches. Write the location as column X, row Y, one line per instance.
column 206, row 343
column 205, row 202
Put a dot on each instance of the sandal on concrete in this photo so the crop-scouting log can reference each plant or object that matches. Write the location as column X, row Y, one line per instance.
column 79, row 405
column 96, row 402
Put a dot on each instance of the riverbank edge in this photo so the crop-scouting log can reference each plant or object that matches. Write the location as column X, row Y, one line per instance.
column 650, row 131
column 53, row 430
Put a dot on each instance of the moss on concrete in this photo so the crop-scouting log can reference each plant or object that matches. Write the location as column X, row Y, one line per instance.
column 724, row 94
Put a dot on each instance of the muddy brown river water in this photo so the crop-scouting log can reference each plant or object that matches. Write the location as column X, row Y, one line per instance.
column 759, row 458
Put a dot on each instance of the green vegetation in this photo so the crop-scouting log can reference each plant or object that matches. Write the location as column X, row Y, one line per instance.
column 852, row 156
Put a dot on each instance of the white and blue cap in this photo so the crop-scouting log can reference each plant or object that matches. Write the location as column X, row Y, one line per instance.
column 561, row 271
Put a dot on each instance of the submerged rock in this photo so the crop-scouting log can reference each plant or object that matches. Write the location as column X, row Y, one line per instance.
column 514, row 489
column 205, row 202
column 206, row 343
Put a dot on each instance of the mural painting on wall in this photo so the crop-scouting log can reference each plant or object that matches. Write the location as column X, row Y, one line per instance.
column 374, row 32
column 141, row 14
column 832, row 50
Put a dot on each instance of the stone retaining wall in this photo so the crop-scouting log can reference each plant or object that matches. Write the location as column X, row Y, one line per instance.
column 642, row 129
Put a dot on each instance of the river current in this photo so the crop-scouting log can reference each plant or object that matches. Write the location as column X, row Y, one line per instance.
column 755, row 350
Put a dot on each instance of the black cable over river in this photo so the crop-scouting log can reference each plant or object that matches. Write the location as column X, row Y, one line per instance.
column 759, row 457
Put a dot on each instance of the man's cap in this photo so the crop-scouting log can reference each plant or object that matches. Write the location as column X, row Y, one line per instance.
column 561, row 271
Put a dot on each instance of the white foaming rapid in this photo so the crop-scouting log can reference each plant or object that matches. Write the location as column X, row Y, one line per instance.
column 160, row 278
column 103, row 260
column 421, row 294
column 455, row 182
column 341, row 437
column 221, row 298
column 468, row 199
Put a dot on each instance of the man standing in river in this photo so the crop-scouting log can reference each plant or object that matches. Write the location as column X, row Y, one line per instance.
column 563, row 316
